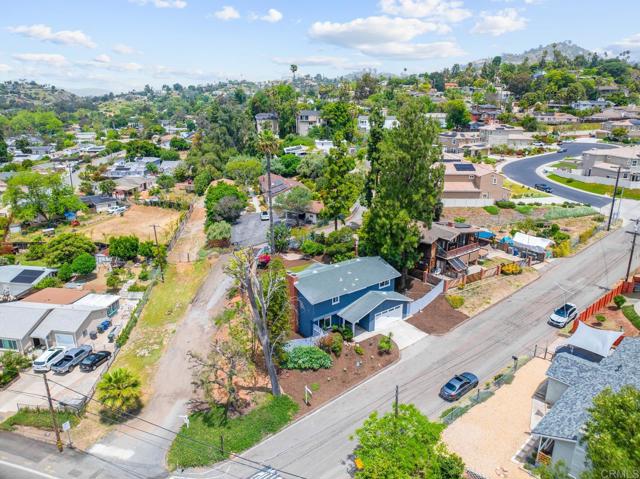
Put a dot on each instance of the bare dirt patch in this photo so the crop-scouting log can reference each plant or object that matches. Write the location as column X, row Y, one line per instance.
column 614, row 320
column 328, row 384
column 137, row 221
column 193, row 237
column 491, row 433
column 437, row 318
column 480, row 295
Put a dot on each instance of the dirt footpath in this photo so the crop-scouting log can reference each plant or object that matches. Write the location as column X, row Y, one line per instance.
column 193, row 237
column 491, row 433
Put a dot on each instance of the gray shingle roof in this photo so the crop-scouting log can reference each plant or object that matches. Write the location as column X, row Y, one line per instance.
column 570, row 412
column 323, row 282
column 364, row 305
column 568, row 369
column 63, row 320
column 16, row 322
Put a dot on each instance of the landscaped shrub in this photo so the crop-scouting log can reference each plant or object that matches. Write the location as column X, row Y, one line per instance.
column 619, row 300
column 598, row 218
column 524, row 209
column 336, row 344
column 505, row 204
column 218, row 234
column 385, row 345
column 307, row 357
column 562, row 249
column 511, row 269
column 585, row 235
column 144, row 275
column 601, row 318
column 346, row 332
column 325, row 343
column 633, row 317
column 459, row 219
column 311, row 248
column 358, row 350
column 137, row 288
column 454, row 300
column 492, row 209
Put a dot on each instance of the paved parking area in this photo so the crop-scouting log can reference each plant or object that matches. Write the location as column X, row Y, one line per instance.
column 29, row 389
column 249, row 230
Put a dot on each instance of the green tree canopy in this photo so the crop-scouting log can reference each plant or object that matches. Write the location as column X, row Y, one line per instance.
column 32, row 195
column 295, row 201
column 244, row 169
column 124, row 248
column 457, row 114
column 404, row 446
column 66, row 247
column 337, row 186
column 84, row 264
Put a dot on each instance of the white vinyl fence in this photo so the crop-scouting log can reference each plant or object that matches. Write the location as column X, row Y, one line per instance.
column 421, row 303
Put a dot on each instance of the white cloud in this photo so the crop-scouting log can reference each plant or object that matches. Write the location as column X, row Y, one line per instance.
column 5, row 68
column 123, row 49
column 373, row 30
column 227, row 13
column 631, row 43
column 450, row 11
column 413, row 51
column 499, row 23
column 162, row 3
column 272, row 16
column 104, row 58
column 46, row 33
column 52, row 59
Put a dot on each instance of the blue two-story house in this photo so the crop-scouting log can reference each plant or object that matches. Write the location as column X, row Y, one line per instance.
column 357, row 293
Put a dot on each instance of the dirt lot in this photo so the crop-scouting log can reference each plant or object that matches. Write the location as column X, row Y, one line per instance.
column 480, row 295
column 327, row 384
column 438, row 318
column 491, row 433
column 615, row 321
column 138, row 221
column 193, row 237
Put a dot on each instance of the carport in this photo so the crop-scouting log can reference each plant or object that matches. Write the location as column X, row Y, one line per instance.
column 375, row 310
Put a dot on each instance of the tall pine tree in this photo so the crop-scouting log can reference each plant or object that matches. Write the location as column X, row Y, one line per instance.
column 337, row 185
column 376, row 135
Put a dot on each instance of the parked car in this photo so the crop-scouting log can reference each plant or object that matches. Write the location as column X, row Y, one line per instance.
column 542, row 187
column 563, row 315
column 562, row 150
column 113, row 334
column 458, row 386
column 104, row 325
column 71, row 359
column 264, row 216
column 94, row 360
column 48, row 358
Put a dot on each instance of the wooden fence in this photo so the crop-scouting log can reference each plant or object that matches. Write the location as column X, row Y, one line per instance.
column 462, row 281
column 621, row 288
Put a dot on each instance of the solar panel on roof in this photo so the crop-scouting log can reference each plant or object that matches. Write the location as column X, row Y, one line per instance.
column 464, row 167
column 27, row 276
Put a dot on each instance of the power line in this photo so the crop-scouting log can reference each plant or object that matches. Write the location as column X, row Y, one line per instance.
column 176, row 433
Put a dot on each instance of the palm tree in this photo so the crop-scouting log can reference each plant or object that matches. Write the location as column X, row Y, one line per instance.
column 269, row 144
column 120, row 390
column 294, row 69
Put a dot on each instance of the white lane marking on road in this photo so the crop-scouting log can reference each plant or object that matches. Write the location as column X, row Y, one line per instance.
column 112, row 451
column 28, row 469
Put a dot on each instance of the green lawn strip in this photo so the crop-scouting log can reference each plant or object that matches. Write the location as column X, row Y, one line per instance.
column 167, row 304
column 524, row 209
column 565, row 164
column 300, row 267
column 597, row 188
column 521, row 191
column 633, row 317
column 239, row 434
column 40, row 418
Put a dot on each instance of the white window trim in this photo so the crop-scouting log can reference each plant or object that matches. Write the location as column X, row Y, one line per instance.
column 322, row 322
column 494, row 180
column 335, row 300
column 384, row 284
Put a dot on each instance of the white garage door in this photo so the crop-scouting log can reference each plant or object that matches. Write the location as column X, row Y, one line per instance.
column 65, row 340
column 384, row 318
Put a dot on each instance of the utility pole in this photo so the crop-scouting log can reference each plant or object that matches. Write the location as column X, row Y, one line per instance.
column 54, row 422
column 155, row 235
column 613, row 200
column 633, row 247
column 70, row 173
column 395, row 405
column 272, row 243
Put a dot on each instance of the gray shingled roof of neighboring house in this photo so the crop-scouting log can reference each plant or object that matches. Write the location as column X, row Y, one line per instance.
column 568, row 368
column 323, row 282
column 16, row 322
column 569, row 414
column 364, row 305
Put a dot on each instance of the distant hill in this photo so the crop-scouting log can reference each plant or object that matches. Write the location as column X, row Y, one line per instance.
column 89, row 92
column 567, row 48
column 29, row 95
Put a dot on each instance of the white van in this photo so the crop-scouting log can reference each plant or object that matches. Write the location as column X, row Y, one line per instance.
column 48, row 358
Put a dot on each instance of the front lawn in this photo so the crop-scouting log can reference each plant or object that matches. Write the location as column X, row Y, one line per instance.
column 521, row 191
column 39, row 418
column 239, row 434
column 597, row 188
column 567, row 165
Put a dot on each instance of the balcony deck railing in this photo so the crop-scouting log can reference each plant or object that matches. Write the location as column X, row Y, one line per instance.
column 454, row 253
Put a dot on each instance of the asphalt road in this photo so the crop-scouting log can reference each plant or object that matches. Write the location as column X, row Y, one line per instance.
column 249, row 230
column 524, row 171
column 22, row 458
column 318, row 446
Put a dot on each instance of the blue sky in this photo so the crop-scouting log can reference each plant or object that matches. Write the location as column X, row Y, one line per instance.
column 123, row 44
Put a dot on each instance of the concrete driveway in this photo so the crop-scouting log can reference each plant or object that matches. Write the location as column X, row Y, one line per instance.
column 403, row 334
column 249, row 230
